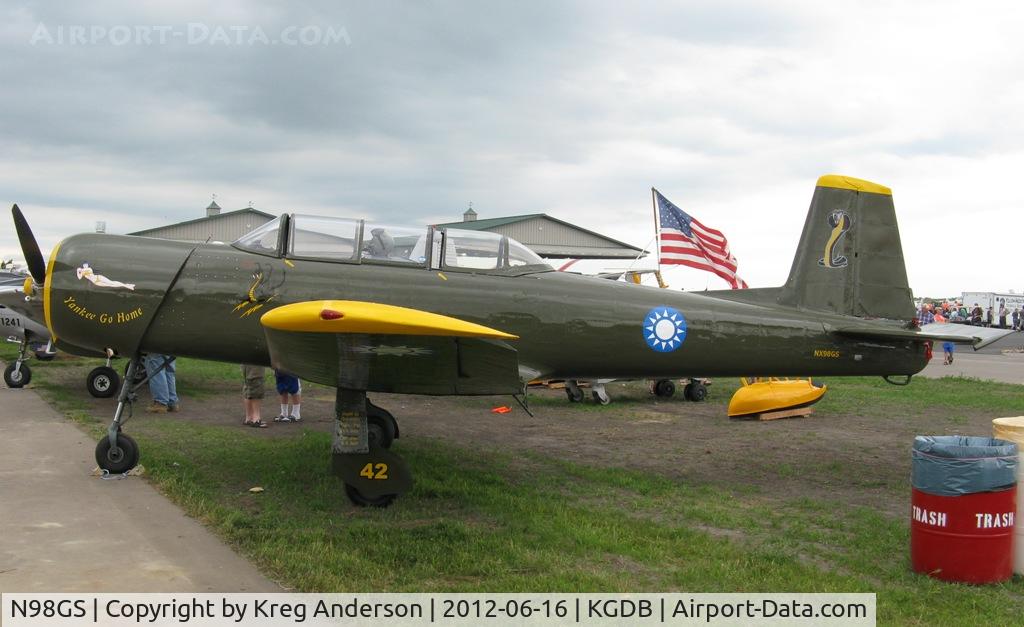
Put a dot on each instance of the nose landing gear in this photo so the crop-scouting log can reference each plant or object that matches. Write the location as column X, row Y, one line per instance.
column 117, row 452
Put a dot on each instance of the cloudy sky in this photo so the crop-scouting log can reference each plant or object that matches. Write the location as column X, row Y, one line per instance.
column 137, row 112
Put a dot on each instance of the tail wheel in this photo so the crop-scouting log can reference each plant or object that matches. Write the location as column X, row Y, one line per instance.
column 17, row 379
column 103, row 382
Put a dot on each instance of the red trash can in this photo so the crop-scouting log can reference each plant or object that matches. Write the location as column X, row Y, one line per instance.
column 963, row 503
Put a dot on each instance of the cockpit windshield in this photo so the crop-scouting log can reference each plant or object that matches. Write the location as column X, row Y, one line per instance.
column 265, row 240
column 356, row 241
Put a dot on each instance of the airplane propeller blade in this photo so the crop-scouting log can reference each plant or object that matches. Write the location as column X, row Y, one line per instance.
column 34, row 258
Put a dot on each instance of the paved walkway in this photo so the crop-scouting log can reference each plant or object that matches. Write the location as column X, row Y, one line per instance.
column 65, row 530
column 1008, row 368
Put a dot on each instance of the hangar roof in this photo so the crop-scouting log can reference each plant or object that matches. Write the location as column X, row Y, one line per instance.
column 550, row 237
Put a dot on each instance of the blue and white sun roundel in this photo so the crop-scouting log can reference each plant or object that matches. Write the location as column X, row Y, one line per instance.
column 664, row 329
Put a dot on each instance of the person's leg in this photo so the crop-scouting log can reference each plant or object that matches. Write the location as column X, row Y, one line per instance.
column 157, row 383
column 296, row 409
column 172, row 385
column 282, row 397
column 252, row 392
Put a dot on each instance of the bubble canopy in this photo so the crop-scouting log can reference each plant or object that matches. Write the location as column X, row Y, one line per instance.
column 342, row 240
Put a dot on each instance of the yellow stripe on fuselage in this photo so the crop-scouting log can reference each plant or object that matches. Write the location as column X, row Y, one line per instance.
column 46, row 290
column 373, row 318
column 838, row 181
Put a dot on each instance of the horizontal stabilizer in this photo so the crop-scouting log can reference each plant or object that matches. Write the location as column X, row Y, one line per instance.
column 977, row 337
column 353, row 316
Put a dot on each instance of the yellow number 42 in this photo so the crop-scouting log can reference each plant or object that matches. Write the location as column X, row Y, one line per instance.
column 374, row 471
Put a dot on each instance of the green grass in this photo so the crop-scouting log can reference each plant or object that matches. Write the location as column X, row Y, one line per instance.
column 873, row 396
column 492, row 521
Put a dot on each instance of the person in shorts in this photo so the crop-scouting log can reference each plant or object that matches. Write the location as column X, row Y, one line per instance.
column 290, row 391
column 252, row 394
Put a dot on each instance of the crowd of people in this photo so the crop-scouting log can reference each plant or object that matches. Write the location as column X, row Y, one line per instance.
column 956, row 312
column 1002, row 317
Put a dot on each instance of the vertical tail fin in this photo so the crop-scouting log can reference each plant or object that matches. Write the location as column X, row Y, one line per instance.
column 850, row 260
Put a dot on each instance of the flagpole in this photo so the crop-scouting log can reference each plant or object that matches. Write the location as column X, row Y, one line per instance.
column 657, row 226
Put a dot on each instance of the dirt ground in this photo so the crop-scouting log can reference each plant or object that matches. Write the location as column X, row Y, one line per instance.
column 848, row 458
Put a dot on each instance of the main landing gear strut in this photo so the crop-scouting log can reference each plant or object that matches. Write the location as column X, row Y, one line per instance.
column 117, row 452
column 363, row 432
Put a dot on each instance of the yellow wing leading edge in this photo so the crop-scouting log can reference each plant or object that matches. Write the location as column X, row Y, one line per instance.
column 353, row 316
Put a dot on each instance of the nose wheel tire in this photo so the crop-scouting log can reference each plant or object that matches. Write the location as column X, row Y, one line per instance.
column 117, row 460
column 103, row 382
column 359, row 499
column 17, row 379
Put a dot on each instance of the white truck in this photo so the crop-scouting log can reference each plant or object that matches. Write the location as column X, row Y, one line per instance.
column 993, row 300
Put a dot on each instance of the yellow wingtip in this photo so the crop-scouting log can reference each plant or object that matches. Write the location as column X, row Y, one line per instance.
column 838, row 181
column 351, row 316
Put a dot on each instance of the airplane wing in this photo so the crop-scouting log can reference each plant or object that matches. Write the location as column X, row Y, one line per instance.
column 977, row 337
column 384, row 348
column 13, row 297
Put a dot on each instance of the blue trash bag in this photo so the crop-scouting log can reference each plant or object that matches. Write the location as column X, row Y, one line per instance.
column 954, row 465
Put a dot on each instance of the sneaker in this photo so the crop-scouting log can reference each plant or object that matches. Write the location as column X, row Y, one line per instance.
column 294, row 419
column 281, row 418
column 173, row 407
column 157, row 408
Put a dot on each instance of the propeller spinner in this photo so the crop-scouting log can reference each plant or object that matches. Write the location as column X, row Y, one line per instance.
column 33, row 257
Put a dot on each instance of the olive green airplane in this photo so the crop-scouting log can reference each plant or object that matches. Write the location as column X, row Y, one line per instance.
column 371, row 308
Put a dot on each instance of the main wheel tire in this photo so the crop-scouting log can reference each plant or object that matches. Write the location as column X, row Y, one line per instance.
column 603, row 399
column 118, row 461
column 17, row 379
column 665, row 388
column 357, row 498
column 381, row 427
column 696, row 392
column 574, row 393
column 103, row 382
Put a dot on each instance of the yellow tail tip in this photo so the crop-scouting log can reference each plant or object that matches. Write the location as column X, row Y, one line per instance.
column 838, row 181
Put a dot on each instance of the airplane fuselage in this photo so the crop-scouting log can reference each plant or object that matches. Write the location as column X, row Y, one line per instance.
column 135, row 294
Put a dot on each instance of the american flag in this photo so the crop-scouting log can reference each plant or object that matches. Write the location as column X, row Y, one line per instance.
column 685, row 241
